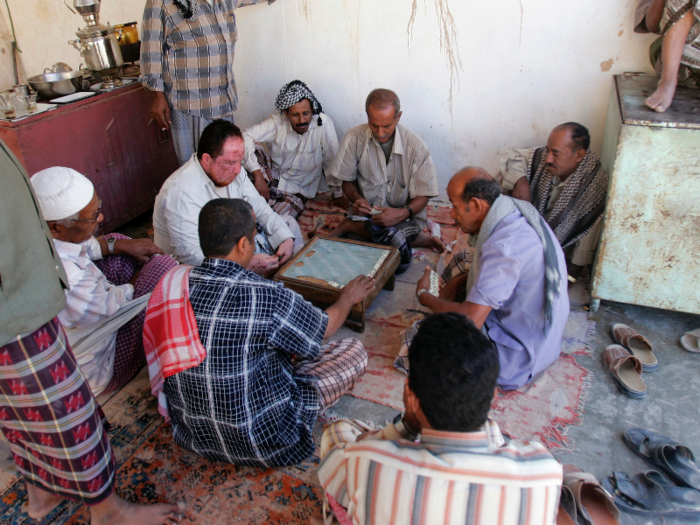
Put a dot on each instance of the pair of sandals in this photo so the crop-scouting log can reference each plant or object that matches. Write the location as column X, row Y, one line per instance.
column 626, row 360
column 584, row 501
column 674, row 490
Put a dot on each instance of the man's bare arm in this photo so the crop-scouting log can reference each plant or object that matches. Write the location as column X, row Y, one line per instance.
column 654, row 14
column 521, row 190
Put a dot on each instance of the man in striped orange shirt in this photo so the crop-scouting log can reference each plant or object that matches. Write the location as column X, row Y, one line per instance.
column 443, row 461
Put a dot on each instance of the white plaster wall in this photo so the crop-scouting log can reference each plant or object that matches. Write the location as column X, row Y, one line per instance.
column 526, row 65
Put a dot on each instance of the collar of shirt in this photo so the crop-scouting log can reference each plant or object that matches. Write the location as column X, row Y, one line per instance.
column 398, row 148
column 454, row 439
column 90, row 249
column 205, row 181
column 222, row 267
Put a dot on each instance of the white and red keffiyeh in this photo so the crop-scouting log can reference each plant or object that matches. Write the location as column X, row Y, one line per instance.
column 170, row 335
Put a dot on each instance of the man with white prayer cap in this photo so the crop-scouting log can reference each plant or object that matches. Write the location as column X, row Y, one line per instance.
column 107, row 275
column 301, row 143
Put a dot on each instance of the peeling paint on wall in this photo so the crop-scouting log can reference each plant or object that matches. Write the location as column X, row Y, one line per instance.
column 605, row 66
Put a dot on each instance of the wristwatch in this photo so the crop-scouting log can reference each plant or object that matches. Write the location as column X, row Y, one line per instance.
column 403, row 429
column 410, row 212
column 110, row 245
column 420, row 292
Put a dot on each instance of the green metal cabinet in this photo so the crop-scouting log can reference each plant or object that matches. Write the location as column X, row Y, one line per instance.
column 651, row 236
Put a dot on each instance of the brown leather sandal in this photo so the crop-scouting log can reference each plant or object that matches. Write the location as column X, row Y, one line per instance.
column 594, row 505
column 625, row 369
column 638, row 345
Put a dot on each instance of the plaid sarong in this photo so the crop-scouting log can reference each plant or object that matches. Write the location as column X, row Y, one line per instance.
column 170, row 335
column 339, row 365
column 51, row 419
column 129, row 356
column 281, row 202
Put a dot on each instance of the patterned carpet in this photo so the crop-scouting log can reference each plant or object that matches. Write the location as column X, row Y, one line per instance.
column 152, row 468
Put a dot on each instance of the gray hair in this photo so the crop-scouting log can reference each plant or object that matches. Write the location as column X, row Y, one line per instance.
column 67, row 221
column 383, row 98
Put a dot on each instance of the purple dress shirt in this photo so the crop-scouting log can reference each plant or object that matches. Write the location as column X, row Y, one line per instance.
column 511, row 281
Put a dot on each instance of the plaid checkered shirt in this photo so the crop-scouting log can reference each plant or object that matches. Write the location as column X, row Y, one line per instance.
column 244, row 404
column 192, row 60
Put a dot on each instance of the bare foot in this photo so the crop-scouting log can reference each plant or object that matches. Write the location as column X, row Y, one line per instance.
column 661, row 99
column 429, row 241
column 40, row 502
column 115, row 510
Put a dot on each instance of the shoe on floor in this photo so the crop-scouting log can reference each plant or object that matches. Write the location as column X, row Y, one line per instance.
column 673, row 458
column 637, row 345
column 594, row 505
column 691, row 341
column 625, row 369
column 652, row 493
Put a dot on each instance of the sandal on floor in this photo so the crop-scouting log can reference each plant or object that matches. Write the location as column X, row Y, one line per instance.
column 637, row 345
column 594, row 505
column 673, row 458
column 691, row 341
column 652, row 493
column 566, row 515
column 625, row 369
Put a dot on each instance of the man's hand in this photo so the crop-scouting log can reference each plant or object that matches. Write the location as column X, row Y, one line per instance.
column 424, row 282
column 451, row 288
column 285, row 251
column 160, row 110
column 362, row 208
column 357, row 289
column 341, row 202
column 521, row 190
column 389, row 216
column 139, row 249
column 261, row 185
column 262, row 263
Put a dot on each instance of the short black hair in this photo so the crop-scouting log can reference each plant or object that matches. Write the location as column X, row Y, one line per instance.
column 383, row 98
column 579, row 135
column 484, row 188
column 215, row 135
column 454, row 372
column 222, row 223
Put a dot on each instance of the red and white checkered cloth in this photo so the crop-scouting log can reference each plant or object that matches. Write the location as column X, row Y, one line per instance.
column 170, row 335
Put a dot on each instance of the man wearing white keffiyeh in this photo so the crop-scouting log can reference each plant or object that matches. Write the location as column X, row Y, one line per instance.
column 287, row 155
column 516, row 288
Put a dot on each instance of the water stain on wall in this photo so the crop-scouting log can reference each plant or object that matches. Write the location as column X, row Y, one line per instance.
column 447, row 38
column 605, row 66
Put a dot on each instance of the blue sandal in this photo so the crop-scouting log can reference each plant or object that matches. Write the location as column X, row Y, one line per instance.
column 652, row 493
column 673, row 458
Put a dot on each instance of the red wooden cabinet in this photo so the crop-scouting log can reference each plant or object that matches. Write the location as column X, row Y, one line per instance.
column 111, row 139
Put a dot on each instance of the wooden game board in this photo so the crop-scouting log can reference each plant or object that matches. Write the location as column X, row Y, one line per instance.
column 326, row 264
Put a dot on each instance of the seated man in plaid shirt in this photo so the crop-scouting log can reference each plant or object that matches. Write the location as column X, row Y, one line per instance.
column 442, row 461
column 254, row 398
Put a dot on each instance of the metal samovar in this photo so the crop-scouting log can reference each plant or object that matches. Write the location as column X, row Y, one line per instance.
column 98, row 44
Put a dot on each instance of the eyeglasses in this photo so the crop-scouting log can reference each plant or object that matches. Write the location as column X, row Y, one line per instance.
column 96, row 219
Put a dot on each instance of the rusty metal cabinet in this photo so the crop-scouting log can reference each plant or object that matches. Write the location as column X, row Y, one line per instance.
column 111, row 139
column 651, row 235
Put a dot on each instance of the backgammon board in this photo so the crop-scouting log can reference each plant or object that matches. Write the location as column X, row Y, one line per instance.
column 326, row 264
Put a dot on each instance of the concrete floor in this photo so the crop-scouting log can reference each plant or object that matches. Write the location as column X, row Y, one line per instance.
column 671, row 407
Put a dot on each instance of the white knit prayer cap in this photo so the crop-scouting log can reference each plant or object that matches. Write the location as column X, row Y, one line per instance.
column 61, row 192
